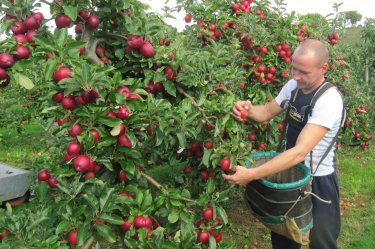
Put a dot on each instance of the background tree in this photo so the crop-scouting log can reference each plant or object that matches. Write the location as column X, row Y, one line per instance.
column 351, row 17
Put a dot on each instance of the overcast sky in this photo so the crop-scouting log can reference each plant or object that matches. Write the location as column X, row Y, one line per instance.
column 324, row 7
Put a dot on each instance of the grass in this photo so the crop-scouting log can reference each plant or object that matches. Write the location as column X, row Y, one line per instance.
column 21, row 149
column 356, row 172
column 352, row 35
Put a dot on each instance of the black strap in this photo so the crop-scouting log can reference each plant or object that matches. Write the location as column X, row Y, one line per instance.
column 307, row 110
column 286, row 104
column 343, row 117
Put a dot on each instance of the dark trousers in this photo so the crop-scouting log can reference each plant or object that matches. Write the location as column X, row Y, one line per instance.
column 326, row 217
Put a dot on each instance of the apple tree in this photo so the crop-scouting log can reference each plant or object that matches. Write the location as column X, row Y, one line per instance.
column 140, row 115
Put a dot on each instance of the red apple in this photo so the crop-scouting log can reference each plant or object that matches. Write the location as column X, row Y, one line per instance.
column 43, row 175
column 95, row 135
column 19, row 27
column 75, row 130
column 68, row 103
column 203, row 237
column 61, row 73
column 123, row 112
column 30, row 35
column 188, row 18
column 52, row 182
column 20, row 38
column 72, row 237
column 123, row 140
column 225, row 163
column 73, row 148
column 32, row 22
column 208, row 144
column 6, row 60
column 208, row 213
column 92, row 22
column 21, row 52
column 82, row 163
column 126, row 225
column 135, row 41
column 62, row 21
column 147, row 50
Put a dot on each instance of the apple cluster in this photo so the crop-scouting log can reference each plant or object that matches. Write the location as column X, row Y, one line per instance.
column 136, row 44
column 23, row 33
column 207, row 227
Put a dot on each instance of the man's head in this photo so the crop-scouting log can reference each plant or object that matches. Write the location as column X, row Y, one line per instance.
column 309, row 64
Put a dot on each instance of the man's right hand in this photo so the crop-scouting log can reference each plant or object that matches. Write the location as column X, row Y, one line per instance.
column 241, row 109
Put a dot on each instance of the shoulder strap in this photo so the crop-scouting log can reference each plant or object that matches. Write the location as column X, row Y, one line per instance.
column 321, row 90
column 286, row 104
column 343, row 117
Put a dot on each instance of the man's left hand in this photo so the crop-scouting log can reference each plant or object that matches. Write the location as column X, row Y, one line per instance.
column 241, row 176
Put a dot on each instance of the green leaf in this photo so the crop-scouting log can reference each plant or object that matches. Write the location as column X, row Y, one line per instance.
column 210, row 186
column 63, row 226
column 61, row 35
column 44, row 43
column 185, row 217
column 75, row 45
column 91, row 200
column 107, row 142
column 181, row 139
column 106, row 232
column 112, row 219
column 170, row 88
column 115, row 130
column 212, row 242
column 222, row 214
column 206, row 157
column 24, row 81
column 111, row 122
column 49, row 69
column 104, row 200
column 71, row 11
column 173, row 216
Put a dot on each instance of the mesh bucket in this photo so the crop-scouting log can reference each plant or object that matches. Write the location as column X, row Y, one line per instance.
column 279, row 200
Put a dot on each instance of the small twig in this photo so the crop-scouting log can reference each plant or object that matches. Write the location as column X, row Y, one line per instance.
column 89, row 243
column 180, row 90
column 161, row 187
column 151, row 180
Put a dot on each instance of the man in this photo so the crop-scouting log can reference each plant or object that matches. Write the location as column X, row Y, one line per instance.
column 305, row 134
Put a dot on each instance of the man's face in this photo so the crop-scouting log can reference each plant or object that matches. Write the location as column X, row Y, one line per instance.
column 307, row 72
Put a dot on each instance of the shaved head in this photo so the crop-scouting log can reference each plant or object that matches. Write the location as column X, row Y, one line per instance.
column 313, row 48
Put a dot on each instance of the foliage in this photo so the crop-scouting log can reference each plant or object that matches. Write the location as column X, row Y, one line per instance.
column 351, row 17
column 132, row 95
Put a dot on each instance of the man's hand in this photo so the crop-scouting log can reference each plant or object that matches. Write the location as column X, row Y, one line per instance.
column 242, row 175
column 241, row 110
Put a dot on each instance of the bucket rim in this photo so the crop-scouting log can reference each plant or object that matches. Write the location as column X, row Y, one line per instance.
column 289, row 185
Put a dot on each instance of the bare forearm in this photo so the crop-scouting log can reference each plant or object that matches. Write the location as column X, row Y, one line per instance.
column 260, row 113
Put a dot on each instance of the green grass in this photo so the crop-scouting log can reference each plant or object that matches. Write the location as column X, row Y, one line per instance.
column 21, row 149
column 352, row 35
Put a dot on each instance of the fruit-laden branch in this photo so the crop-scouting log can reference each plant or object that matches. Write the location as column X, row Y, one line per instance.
column 161, row 187
column 180, row 90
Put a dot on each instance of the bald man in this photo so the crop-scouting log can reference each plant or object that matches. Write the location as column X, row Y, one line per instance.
column 307, row 138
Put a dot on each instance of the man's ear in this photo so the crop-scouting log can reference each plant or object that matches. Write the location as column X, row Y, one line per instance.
column 325, row 67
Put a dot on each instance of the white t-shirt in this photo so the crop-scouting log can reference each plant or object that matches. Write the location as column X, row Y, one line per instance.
column 326, row 112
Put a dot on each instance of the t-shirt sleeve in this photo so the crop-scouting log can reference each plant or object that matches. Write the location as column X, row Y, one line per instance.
column 327, row 109
column 285, row 92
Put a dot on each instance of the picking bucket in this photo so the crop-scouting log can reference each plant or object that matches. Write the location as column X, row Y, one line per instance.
column 280, row 201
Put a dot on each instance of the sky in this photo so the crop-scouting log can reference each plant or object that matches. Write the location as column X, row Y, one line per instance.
column 324, row 7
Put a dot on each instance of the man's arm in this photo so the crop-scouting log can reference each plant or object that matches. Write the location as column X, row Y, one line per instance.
column 257, row 113
column 309, row 137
